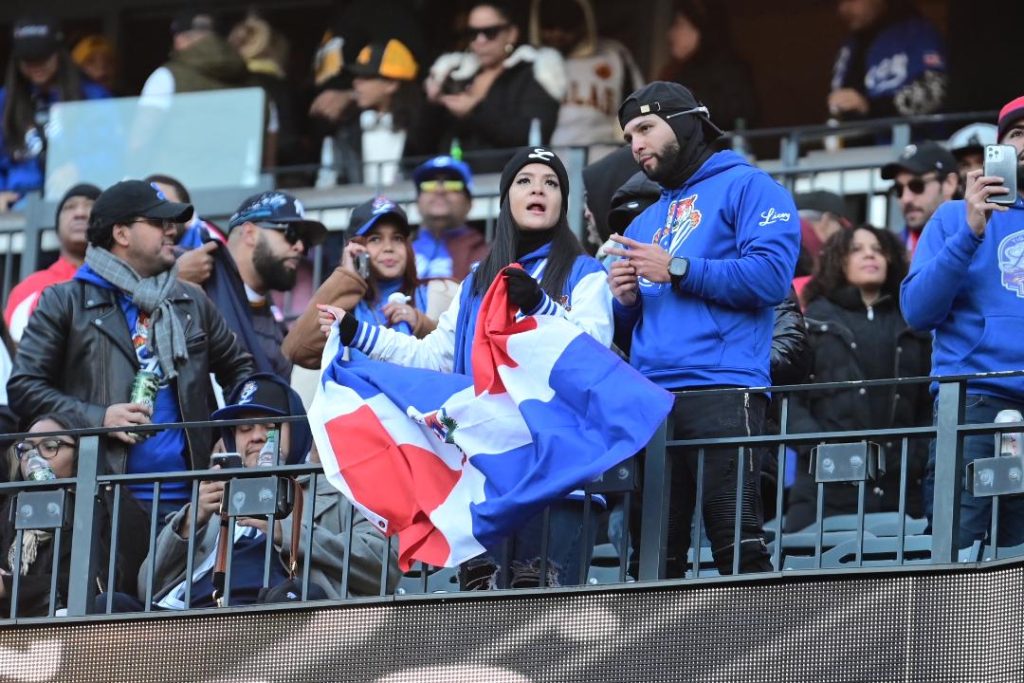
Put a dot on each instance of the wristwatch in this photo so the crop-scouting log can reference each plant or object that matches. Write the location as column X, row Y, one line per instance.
column 677, row 269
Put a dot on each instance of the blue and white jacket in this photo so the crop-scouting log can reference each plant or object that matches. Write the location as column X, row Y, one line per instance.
column 586, row 303
column 969, row 291
column 741, row 233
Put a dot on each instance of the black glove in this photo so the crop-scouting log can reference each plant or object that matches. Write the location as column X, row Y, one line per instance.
column 347, row 328
column 523, row 290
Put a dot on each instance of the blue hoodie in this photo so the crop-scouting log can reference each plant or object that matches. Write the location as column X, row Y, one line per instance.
column 969, row 291
column 741, row 233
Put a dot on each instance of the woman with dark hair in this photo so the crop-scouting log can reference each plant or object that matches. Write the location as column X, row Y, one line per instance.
column 556, row 278
column 857, row 332
column 703, row 59
column 489, row 96
column 55, row 456
column 376, row 283
column 40, row 73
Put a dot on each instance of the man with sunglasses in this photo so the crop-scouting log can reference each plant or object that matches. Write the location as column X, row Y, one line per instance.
column 268, row 238
column 445, row 246
column 124, row 312
column 925, row 176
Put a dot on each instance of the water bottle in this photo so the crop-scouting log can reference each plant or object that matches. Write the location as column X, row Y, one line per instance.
column 401, row 326
column 1009, row 443
column 327, row 176
column 455, row 151
column 268, row 454
column 534, row 139
column 37, row 469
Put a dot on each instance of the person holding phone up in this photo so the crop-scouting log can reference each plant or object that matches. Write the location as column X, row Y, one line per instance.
column 966, row 286
column 376, row 282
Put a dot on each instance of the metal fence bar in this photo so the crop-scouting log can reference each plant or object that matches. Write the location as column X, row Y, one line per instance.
column 859, row 557
column 948, row 473
column 115, row 529
column 307, row 527
column 741, row 480
column 654, row 523
column 901, row 533
column 83, row 549
column 230, row 555
column 154, row 513
column 346, row 567
column 698, row 512
column 627, row 536
column 545, row 537
column 385, row 566
column 585, row 540
column 19, row 540
column 193, row 518
column 58, row 534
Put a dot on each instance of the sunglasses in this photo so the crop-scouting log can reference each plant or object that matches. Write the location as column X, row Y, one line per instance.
column 488, row 32
column 292, row 234
column 48, row 448
column 439, row 185
column 915, row 185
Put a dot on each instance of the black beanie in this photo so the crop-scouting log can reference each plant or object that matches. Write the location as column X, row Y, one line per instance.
column 81, row 190
column 535, row 155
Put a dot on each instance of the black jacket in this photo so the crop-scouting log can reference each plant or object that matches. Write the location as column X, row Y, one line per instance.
column 851, row 342
column 791, row 356
column 34, row 587
column 77, row 354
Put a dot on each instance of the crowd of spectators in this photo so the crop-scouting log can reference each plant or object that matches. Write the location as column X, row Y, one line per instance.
column 775, row 289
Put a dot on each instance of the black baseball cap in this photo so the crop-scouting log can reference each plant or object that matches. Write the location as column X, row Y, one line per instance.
column 366, row 215
column 921, row 158
column 824, row 202
column 192, row 20
column 259, row 393
column 35, row 38
column 135, row 198
column 279, row 211
column 666, row 99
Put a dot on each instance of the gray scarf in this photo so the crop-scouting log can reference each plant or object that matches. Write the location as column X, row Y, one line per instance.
column 151, row 295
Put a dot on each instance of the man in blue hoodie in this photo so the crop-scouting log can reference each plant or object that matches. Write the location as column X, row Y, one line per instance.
column 966, row 285
column 698, row 275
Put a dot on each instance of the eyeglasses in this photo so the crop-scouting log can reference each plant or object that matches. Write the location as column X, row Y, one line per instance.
column 445, row 185
column 48, row 448
column 159, row 223
column 915, row 185
column 488, row 32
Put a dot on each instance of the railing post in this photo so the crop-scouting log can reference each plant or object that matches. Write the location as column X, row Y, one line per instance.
column 82, row 586
column 654, row 522
column 948, row 473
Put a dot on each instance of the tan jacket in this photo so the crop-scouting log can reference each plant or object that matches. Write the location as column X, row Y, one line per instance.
column 304, row 344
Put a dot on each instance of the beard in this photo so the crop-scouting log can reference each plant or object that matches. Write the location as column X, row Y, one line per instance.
column 271, row 268
column 668, row 159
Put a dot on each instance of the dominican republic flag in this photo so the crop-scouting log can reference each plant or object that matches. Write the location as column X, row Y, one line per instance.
column 452, row 463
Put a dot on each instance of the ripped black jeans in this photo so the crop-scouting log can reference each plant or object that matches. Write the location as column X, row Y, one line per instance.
column 697, row 416
column 518, row 559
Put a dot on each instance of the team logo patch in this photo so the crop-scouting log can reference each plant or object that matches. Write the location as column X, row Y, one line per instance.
column 1011, row 262
column 382, row 205
column 159, row 193
column 541, row 153
column 248, row 392
column 772, row 216
column 682, row 219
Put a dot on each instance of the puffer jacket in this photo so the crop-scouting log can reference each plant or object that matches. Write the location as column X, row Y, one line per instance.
column 77, row 354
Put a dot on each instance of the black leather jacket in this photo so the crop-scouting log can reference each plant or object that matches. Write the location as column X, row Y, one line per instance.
column 77, row 354
column 792, row 360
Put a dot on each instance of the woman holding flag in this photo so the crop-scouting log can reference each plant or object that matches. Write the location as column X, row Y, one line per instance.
column 547, row 273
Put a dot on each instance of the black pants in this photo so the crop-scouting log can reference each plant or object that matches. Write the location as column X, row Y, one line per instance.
column 715, row 416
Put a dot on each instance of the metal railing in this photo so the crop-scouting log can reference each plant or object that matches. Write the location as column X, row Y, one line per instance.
column 831, row 544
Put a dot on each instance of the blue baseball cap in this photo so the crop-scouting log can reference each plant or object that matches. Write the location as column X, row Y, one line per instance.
column 366, row 215
column 260, row 393
column 279, row 211
column 441, row 166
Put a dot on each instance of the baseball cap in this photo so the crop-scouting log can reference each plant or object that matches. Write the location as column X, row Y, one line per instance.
column 279, row 211
column 823, row 201
column 385, row 60
column 192, row 20
column 972, row 137
column 1012, row 112
column 443, row 165
column 666, row 100
column 35, row 38
column 135, row 198
column 259, row 393
column 921, row 158
column 366, row 215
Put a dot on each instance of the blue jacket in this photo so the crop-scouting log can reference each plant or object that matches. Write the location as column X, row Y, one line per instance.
column 741, row 233
column 969, row 292
column 26, row 175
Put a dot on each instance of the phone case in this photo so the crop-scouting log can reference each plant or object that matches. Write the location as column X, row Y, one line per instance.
column 1001, row 160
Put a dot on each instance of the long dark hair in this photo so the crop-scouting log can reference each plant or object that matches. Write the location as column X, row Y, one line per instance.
column 564, row 250
column 19, row 112
column 71, row 419
column 828, row 277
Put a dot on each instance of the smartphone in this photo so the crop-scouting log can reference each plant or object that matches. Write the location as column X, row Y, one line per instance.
column 363, row 265
column 1001, row 160
column 226, row 460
